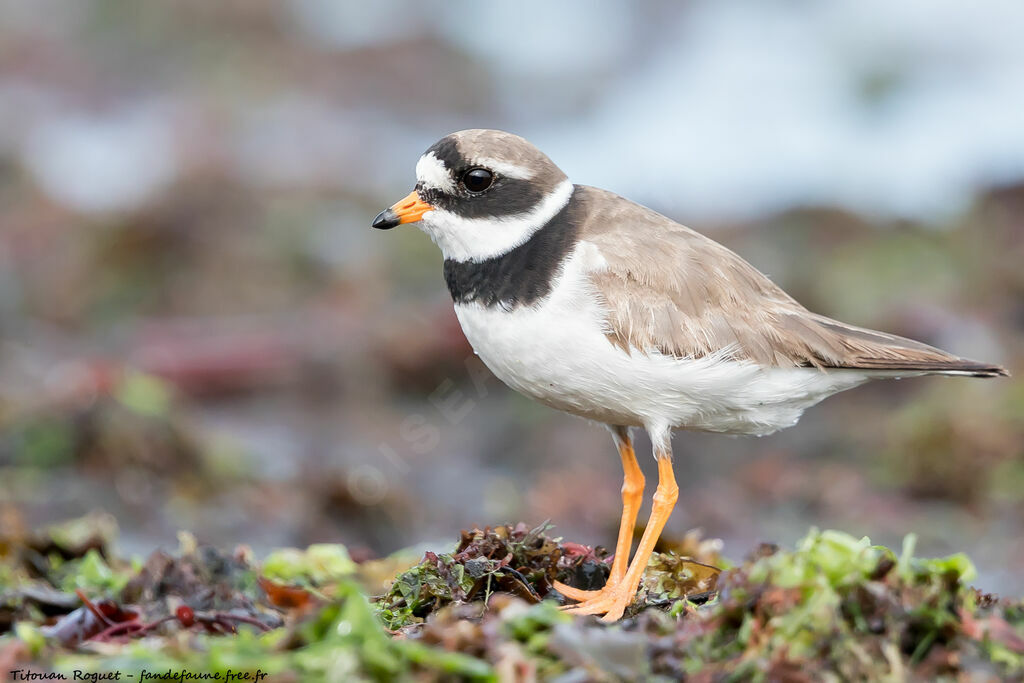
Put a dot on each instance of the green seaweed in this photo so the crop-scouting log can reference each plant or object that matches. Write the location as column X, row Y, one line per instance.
column 835, row 607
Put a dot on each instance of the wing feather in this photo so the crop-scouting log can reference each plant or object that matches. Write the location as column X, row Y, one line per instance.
column 669, row 289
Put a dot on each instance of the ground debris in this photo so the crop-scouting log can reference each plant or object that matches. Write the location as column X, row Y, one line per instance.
column 202, row 589
column 833, row 608
column 49, row 577
column 518, row 560
column 838, row 605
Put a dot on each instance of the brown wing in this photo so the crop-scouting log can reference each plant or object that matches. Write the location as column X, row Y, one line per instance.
column 670, row 289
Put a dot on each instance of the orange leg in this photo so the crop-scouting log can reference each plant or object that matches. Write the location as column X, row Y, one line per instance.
column 613, row 603
column 632, row 497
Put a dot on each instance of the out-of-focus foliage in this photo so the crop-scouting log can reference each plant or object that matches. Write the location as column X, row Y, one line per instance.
column 317, row 564
column 835, row 606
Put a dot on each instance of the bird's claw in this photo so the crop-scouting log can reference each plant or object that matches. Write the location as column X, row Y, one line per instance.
column 611, row 601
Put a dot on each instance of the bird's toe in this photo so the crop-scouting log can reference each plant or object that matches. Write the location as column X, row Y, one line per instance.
column 577, row 594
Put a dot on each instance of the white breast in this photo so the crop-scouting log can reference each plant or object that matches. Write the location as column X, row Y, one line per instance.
column 556, row 352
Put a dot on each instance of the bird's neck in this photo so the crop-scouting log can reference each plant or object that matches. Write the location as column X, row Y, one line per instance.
column 522, row 275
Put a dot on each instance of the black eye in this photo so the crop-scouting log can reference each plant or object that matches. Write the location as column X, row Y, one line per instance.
column 477, row 179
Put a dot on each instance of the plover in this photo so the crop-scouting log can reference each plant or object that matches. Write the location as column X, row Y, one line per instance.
column 595, row 305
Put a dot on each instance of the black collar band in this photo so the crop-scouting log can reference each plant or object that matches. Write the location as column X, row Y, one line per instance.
column 523, row 275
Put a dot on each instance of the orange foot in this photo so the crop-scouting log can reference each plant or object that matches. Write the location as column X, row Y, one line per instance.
column 632, row 497
column 618, row 594
column 578, row 594
column 611, row 601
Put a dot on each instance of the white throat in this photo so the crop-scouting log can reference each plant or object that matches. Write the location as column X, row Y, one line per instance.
column 478, row 239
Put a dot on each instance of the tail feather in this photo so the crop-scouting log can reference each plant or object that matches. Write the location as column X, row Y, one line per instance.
column 952, row 366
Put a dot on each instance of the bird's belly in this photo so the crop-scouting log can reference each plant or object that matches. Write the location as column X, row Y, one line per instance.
column 556, row 352
column 556, row 362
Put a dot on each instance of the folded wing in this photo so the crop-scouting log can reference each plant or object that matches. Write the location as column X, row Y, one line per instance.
column 670, row 289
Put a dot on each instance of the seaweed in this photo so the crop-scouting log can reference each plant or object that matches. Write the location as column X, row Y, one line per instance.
column 833, row 607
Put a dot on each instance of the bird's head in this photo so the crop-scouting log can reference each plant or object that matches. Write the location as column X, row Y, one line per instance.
column 480, row 193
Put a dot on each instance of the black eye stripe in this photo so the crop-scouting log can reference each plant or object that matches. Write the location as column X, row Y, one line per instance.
column 506, row 197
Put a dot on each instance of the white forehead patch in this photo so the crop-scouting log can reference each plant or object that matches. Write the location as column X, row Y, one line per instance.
column 477, row 239
column 432, row 172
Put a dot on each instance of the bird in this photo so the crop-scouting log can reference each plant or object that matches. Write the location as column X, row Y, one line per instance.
column 600, row 307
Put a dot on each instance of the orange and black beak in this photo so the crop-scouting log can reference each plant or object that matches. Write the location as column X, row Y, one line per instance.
column 409, row 210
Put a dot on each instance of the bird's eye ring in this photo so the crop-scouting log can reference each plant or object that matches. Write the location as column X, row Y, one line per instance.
column 477, row 179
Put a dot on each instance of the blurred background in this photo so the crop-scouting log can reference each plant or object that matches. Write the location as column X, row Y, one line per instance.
column 199, row 330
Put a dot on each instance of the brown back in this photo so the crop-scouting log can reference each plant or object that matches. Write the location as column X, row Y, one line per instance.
column 670, row 289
